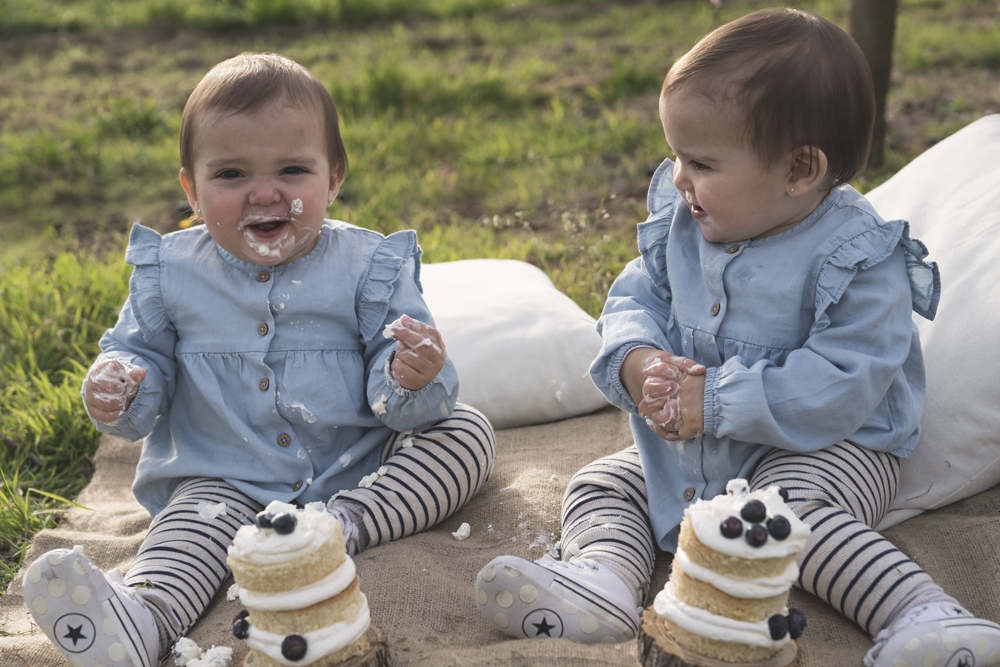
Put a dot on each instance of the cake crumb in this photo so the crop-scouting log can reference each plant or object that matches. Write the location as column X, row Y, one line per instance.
column 390, row 328
column 378, row 407
column 208, row 511
column 217, row 656
column 233, row 592
column 463, row 532
column 185, row 650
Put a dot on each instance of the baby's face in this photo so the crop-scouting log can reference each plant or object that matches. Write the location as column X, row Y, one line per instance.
column 730, row 194
column 262, row 182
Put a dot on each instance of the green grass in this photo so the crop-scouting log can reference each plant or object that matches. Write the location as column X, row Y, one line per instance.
column 523, row 130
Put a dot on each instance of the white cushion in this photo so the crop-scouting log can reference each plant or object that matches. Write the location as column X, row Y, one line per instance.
column 522, row 348
column 951, row 196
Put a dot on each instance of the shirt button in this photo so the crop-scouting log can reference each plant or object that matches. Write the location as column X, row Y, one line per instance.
column 284, row 440
column 264, row 384
column 262, row 328
column 731, row 249
column 298, row 485
column 263, row 277
column 715, row 309
column 688, row 494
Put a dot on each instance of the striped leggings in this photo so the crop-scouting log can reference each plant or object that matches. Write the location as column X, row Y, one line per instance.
column 430, row 475
column 841, row 492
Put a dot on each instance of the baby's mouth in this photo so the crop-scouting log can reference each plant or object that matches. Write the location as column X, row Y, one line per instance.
column 264, row 227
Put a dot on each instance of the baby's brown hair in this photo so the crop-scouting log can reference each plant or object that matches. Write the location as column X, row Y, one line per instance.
column 248, row 83
column 798, row 79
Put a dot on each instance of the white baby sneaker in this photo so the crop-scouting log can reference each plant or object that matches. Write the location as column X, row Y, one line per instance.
column 580, row 600
column 938, row 634
column 92, row 617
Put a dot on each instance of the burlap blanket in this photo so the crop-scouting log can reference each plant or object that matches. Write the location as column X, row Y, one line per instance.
column 421, row 588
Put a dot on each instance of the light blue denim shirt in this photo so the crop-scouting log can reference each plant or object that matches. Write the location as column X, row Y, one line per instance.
column 264, row 376
column 807, row 336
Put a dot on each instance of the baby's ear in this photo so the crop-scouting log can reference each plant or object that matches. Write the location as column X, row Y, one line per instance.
column 188, row 184
column 808, row 172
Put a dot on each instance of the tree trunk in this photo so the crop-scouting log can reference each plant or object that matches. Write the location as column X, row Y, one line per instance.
column 873, row 24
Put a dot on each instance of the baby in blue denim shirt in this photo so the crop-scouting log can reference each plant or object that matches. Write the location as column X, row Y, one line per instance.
column 265, row 355
column 764, row 333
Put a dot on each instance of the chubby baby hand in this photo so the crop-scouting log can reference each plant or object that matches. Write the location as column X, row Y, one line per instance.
column 673, row 390
column 111, row 386
column 680, row 415
column 420, row 352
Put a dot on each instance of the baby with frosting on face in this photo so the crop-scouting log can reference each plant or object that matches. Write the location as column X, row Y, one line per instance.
column 267, row 354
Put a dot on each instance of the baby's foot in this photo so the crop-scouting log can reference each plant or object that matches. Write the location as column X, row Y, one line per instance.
column 580, row 600
column 939, row 634
column 349, row 524
column 92, row 617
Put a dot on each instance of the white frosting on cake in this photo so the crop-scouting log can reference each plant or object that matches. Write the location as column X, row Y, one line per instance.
column 323, row 589
column 707, row 516
column 718, row 628
column 318, row 643
column 314, row 526
column 761, row 587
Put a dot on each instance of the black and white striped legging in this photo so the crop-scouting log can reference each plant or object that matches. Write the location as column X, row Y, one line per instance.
column 182, row 561
column 841, row 492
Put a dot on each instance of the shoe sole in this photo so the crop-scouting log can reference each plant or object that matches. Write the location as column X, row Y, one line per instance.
column 957, row 641
column 520, row 602
column 78, row 610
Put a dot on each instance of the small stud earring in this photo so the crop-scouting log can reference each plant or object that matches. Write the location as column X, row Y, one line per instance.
column 791, row 189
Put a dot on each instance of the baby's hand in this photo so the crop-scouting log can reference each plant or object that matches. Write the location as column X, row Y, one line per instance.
column 111, row 386
column 420, row 352
column 678, row 415
column 668, row 390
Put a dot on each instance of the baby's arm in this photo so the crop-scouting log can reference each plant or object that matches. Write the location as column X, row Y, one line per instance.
column 420, row 352
column 131, row 382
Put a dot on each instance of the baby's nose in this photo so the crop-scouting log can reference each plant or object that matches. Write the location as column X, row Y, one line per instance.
column 264, row 193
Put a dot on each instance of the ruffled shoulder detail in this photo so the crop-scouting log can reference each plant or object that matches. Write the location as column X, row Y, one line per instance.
column 653, row 234
column 396, row 253
column 662, row 192
column 867, row 249
column 925, row 278
column 145, row 294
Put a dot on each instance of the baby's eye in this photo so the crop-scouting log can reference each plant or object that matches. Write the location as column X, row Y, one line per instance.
column 293, row 170
column 698, row 166
column 228, row 174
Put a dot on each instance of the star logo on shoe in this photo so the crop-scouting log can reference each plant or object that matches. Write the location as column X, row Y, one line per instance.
column 74, row 633
column 542, row 623
column 963, row 658
column 544, row 627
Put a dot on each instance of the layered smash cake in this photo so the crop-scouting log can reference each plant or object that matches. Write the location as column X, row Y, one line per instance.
column 735, row 563
column 299, row 585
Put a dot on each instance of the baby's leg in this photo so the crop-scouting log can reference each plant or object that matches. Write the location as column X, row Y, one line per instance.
column 428, row 476
column 605, row 517
column 97, row 618
column 841, row 492
column 182, row 561
column 593, row 594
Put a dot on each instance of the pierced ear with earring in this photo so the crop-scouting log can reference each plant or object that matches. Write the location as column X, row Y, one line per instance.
column 791, row 189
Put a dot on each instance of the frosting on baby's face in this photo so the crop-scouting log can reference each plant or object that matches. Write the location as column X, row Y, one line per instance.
column 748, row 524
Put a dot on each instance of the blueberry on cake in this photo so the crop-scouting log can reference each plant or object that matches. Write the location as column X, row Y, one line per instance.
column 735, row 563
column 299, row 587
